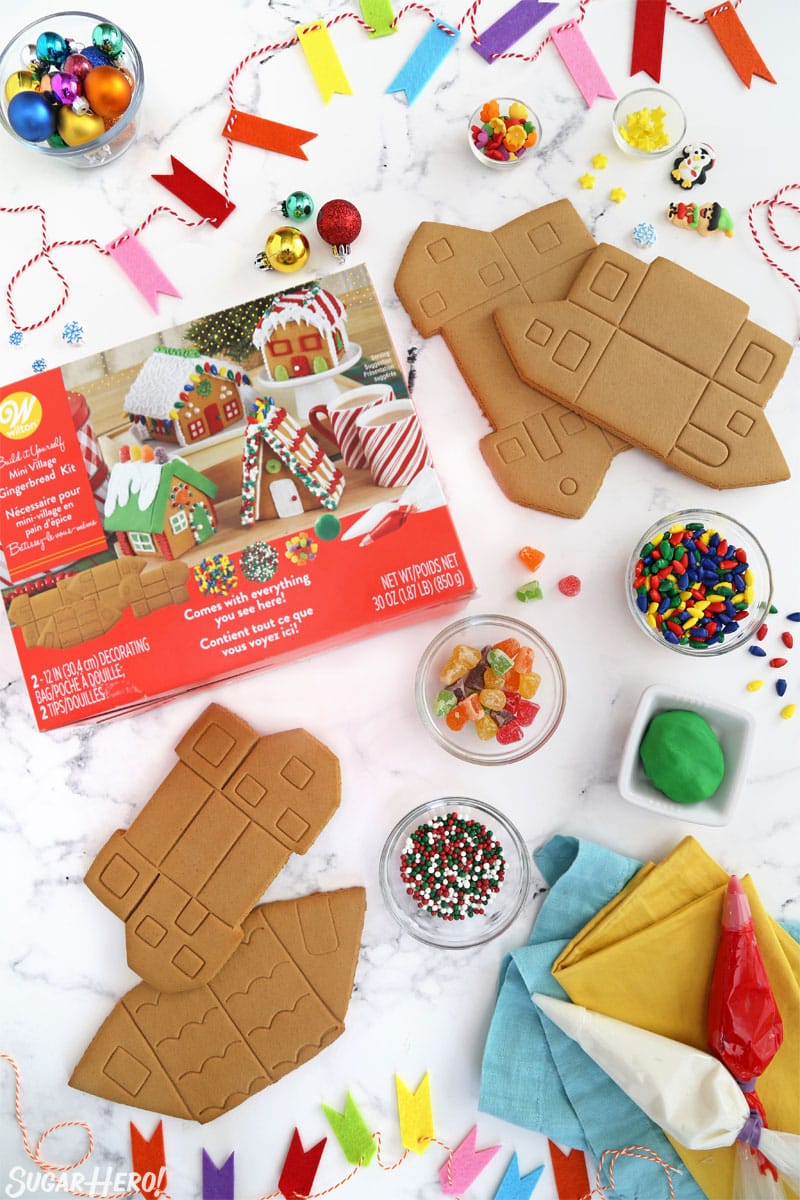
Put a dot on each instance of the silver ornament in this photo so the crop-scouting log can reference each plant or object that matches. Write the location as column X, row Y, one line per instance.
column 80, row 105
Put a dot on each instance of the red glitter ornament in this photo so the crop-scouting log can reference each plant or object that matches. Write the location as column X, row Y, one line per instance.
column 339, row 224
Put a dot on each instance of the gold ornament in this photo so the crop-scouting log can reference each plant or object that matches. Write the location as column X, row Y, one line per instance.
column 20, row 81
column 78, row 128
column 286, row 249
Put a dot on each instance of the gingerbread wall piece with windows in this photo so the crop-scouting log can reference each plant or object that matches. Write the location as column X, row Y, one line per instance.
column 159, row 507
column 180, row 397
column 284, row 470
column 302, row 332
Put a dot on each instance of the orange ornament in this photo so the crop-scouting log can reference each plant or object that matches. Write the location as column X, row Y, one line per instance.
column 107, row 91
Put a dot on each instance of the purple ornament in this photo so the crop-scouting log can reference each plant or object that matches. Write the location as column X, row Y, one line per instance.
column 66, row 87
column 77, row 65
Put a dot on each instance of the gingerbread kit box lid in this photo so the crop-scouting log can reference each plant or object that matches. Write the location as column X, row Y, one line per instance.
column 197, row 513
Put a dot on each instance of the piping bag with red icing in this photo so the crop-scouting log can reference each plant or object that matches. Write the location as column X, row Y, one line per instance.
column 745, row 1030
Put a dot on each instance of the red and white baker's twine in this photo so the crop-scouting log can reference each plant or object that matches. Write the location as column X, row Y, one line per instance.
column 779, row 200
column 469, row 16
column 609, row 1157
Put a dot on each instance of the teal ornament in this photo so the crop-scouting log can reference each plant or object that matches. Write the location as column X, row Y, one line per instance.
column 32, row 116
column 298, row 206
column 108, row 38
column 51, row 47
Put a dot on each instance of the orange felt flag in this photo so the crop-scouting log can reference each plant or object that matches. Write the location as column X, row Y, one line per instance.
column 725, row 23
column 572, row 1181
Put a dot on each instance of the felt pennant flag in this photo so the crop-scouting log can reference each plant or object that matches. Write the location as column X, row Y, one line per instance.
column 512, row 26
column 726, row 25
column 149, row 1161
column 464, row 1164
column 514, row 1186
column 352, row 1132
column 425, row 60
column 141, row 268
column 378, row 14
column 218, row 1182
column 648, row 37
column 581, row 63
column 572, row 1181
column 194, row 191
column 299, row 1168
column 415, row 1115
column 321, row 56
column 269, row 135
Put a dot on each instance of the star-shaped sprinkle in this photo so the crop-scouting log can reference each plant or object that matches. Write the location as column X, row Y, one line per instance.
column 586, row 181
column 618, row 195
column 599, row 162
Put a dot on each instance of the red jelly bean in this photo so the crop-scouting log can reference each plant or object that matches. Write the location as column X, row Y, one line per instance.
column 510, row 732
column 778, row 662
column 762, row 633
column 787, row 639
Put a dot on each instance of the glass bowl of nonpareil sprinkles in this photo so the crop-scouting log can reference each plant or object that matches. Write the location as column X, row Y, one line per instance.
column 699, row 582
column 490, row 689
column 455, row 872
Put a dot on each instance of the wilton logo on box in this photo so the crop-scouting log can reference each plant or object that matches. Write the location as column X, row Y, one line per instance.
column 20, row 415
column 100, row 1183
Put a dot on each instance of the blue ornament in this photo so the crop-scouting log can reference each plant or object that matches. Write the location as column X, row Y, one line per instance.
column 644, row 234
column 15, row 338
column 298, row 206
column 51, row 47
column 96, row 56
column 38, row 365
column 32, row 116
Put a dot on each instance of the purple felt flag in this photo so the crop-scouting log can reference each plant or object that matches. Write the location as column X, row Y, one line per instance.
column 512, row 26
column 218, row 1182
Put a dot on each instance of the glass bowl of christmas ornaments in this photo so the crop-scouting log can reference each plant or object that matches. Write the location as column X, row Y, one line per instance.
column 490, row 690
column 503, row 132
column 455, row 872
column 70, row 87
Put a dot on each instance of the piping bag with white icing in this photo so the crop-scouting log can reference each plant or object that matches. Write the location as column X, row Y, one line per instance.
column 690, row 1094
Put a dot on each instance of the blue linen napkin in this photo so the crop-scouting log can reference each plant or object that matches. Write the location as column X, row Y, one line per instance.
column 533, row 1074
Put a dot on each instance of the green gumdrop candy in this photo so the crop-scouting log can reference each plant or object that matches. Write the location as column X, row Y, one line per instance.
column 682, row 757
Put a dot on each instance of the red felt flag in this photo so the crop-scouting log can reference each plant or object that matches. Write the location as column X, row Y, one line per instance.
column 648, row 37
column 300, row 1168
column 725, row 24
column 572, row 1181
column 149, row 1162
column 194, row 191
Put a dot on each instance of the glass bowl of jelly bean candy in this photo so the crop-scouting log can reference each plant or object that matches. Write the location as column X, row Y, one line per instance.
column 648, row 123
column 504, row 132
column 699, row 582
column 455, row 872
column 71, row 85
column 490, row 689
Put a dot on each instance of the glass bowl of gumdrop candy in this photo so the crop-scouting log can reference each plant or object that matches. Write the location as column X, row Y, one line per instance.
column 490, row 689
column 71, row 85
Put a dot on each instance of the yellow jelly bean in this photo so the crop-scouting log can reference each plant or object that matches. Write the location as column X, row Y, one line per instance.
column 651, row 621
column 529, row 685
column 755, row 685
column 485, row 728
column 788, row 712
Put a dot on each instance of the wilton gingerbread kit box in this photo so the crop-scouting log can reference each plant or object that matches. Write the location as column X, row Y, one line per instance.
column 197, row 504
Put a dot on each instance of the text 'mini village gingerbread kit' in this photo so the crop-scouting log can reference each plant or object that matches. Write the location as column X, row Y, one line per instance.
column 203, row 510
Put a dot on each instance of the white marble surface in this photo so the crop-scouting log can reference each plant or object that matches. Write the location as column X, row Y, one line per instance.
column 414, row 1008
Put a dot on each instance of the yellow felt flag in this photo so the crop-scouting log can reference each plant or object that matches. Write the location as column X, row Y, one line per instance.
column 648, row 957
column 415, row 1115
column 323, row 60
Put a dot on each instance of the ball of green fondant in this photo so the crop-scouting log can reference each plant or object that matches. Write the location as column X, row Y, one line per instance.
column 682, row 757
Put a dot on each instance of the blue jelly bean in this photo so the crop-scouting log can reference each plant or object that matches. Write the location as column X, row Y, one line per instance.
column 759, row 653
column 669, row 636
column 780, row 686
column 793, row 616
column 642, row 602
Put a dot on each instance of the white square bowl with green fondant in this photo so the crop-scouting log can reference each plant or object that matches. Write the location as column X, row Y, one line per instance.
column 734, row 728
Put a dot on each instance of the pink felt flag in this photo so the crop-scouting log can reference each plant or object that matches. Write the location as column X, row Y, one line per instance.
column 141, row 268
column 581, row 63
column 464, row 1164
